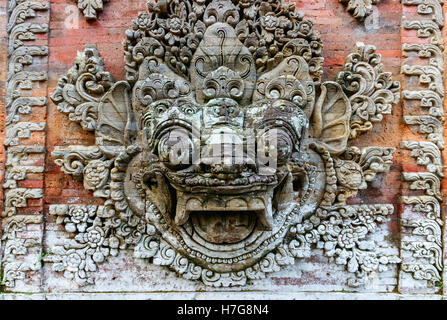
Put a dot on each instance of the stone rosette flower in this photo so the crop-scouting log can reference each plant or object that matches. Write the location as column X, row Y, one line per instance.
column 305, row 28
column 94, row 236
column 347, row 238
column 78, row 218
column 144, row 22
column 270, row 22
column 96, row 174
column 370, row 263
column 350, row 175
column 73, row 261
column 175, row 27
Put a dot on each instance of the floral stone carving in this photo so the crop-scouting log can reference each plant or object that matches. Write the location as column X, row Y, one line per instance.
column 360, row 9
column 91, row 8
column 222, row 155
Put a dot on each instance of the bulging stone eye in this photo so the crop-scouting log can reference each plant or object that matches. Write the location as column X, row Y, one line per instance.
column 160, row 108
column 298, row 100
column 188, row 110
column 175, row 149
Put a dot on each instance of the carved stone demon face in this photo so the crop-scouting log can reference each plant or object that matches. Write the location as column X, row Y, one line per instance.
column 223, row 149
column 223, row 139
column 216, row 147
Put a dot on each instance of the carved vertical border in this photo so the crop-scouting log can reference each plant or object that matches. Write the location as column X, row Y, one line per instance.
column 27, row 31
column 423, row 102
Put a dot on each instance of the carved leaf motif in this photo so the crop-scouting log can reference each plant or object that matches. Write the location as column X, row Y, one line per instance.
column 90, row 8
column 330, row 120
column 359, row 8
column 115, row 125
column 371, row 91
column 342, row 232
column 73, row 159
column 376, row 160
column 79, row 91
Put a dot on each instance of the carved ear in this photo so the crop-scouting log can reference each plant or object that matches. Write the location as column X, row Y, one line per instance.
column 331, row 117
column 115, row 125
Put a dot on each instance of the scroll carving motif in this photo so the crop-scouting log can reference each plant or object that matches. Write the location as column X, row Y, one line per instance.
column 361, row 76
column 22, row 224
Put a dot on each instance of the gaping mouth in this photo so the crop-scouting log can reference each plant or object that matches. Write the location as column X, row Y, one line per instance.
column 225, row 218
column 224, row 227
column 217, row 213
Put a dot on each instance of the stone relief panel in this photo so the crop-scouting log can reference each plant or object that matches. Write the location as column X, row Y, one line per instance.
column 222, row 155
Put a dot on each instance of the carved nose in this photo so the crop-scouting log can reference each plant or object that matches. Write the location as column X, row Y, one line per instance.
column 223, row 111
column 224, row 152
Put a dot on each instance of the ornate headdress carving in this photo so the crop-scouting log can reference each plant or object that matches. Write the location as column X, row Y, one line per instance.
column 222, row 152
